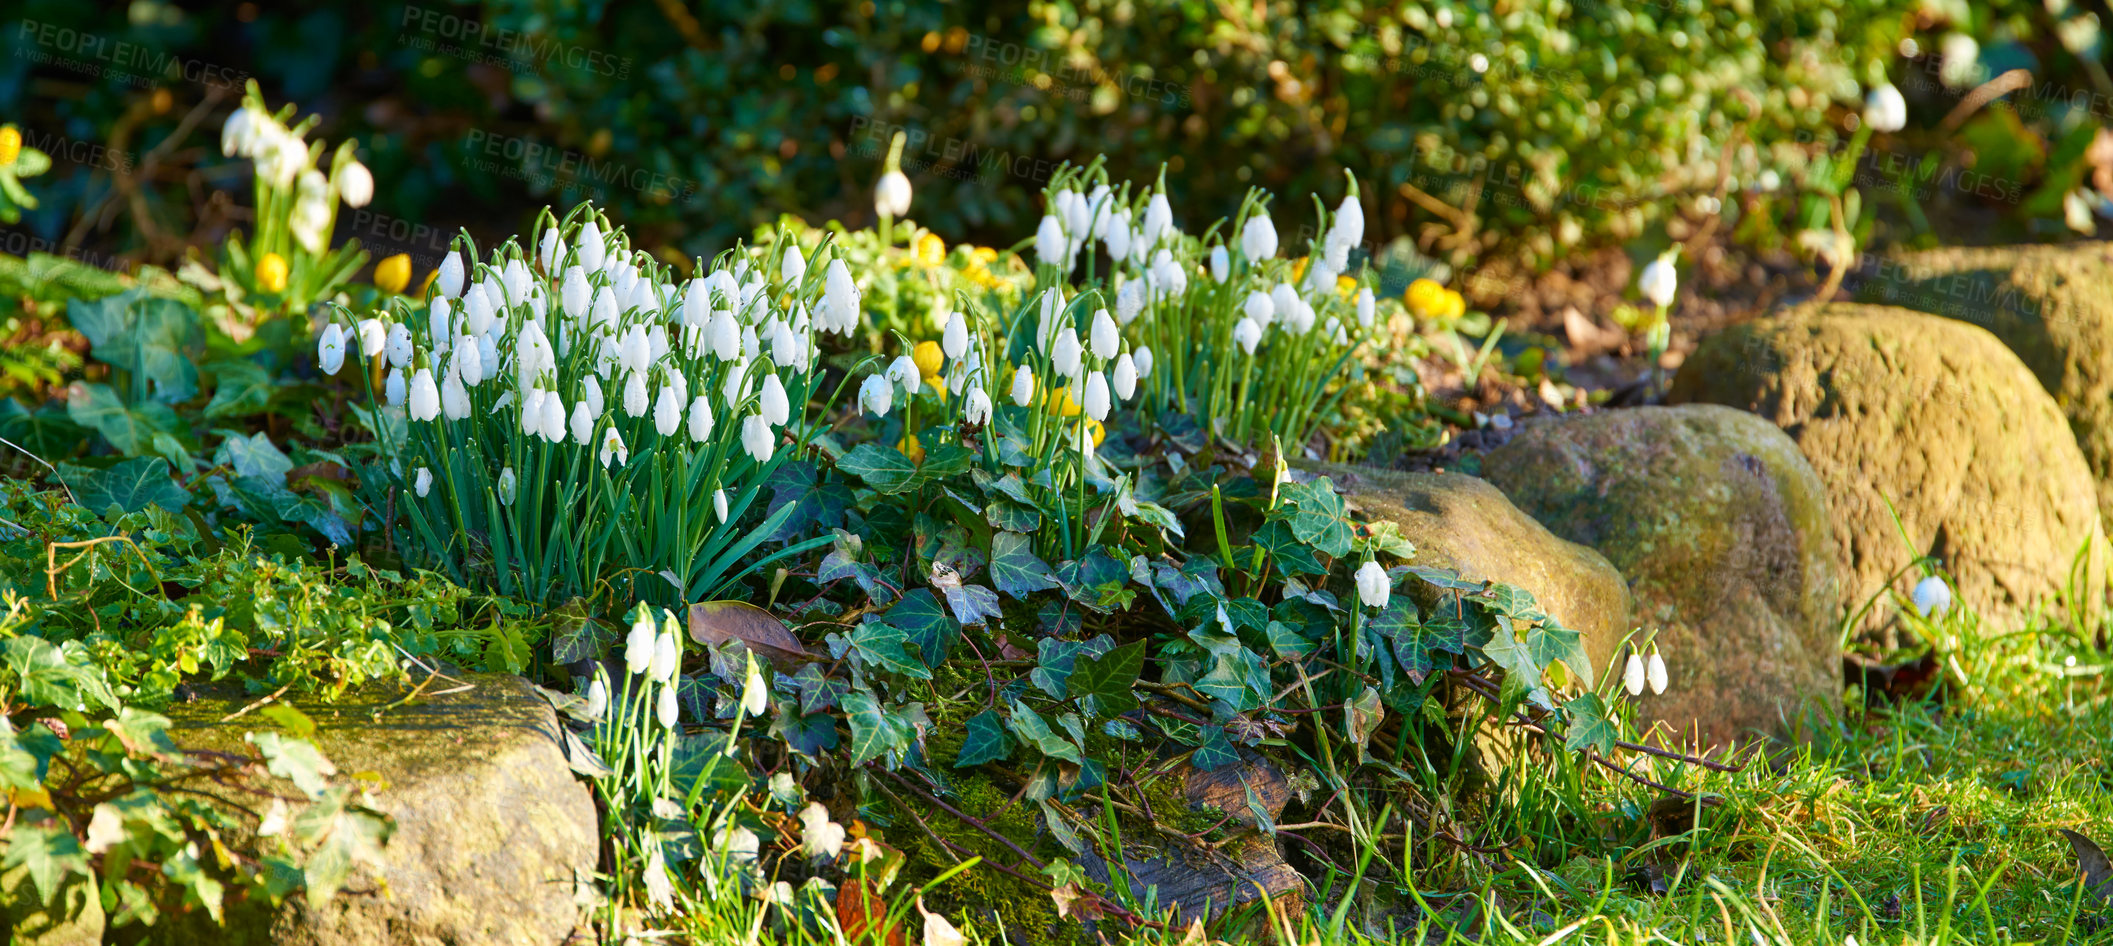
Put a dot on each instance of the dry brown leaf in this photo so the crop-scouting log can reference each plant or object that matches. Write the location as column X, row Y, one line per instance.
column 716, row 622
column 2092, row 864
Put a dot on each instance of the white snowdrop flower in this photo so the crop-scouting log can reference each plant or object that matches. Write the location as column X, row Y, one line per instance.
column 1118, row 237
column 751, row 345
column 1932, row 596
column 903, row 371
column 757, row 438
column 469, row 363
column 719, row 504
column 1347, row 230
column 877, row 395
column 1130, row 300
column 1125, row 376
column 1299, row 319
column 1159, row 219
column 668, row 712
column 977, row 409
column 547, row 249
column 891, row 197
column 1106, row 338
column 1258, row 238
column 635, row 401
column 1283, row 300
column 552, row 413
column 454, row 399
column 575, row 293
column 589, row 248
column 1143, row 358
column 494, row 293
column 697, row 303
column 724, row 335
column 1367, row 307
column 591, row 395
column 1258, row 308
column 424, row 396
column 330, row 349
column 583, row 423
column 954, row 341
column 634, row 352
column 1247, row 335
column 514, row 280
column 667, row 657
column 1066, row 356
column 507, row 486
column 700, row 418
column 477, row 313
column 1320, row 278
column 736, row 388
column 1884, row 109
column 840, row 298
column 1659, row 280
column 239, row 135
column 1096, row 402
column 1373, row 585
column 423, row 482
column 531, row 411
column 1049, row 245
column 399, row 345
column 488, row 351
column 1632, row 675
column 793, row 266
column 639, row 643
column 395, row 388
column 597, row 693
column 1221, row 264
column 776, row 407
column 667, row 411
column 1023, row 386
column 450, row 279
column 440, row 325
column 613, row 448
column 1654, row 671
column 1078, row 215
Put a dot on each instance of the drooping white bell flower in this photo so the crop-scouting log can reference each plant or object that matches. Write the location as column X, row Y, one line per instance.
column 552, row 426
column 700, row 418
column 531, row 411
column 583, row 424
column 575, row 293
column 1125, row 376
column 239, row 135
column 1932, row 597
column 1654, row 671
column 757, row 438
column 507, row 486
column 1143, row 358
column 395, row 388
column 793, row 266
column 954, row 341
column 776, row 407
column 1106, row 338
column 1247, row 335
column 1258, row 238
column 547, row 250
column 1050, row 248
column 355, row 184
column 425, row 396
column 719, row 504
column 903, row 371
column 591, row 395
column 1320, row 278
column 977, row 408
column 668, row 712
column 1159, row 219
column 635, row 400
column 454, row 398
column 514, row 280
column 1096, row 402
column 724, row 335
column 439, row 324
column 1373, row 585
column 374, row 337
column 423, row 482
column 1066, row 356
column 597, row 694
column 1344, row 233
column 877, row 395
column 1258, row 307
column 735, row 390
column 1023, row 386
column 1118, row 237
column 589, row 248
column 667, row 411
column 450, row 279
column 1367, row 307
column 1884, row 109
column 613, row 448
column 1632, row 675
column 697, row 303
column 469, row 363
column 1130, row 300
column 840, row 298
column 1659, row 280
column 891, row 197
column 330, row 349
column 639, row 643
column 1221, row 264
column 477, row 313
column 667, row 658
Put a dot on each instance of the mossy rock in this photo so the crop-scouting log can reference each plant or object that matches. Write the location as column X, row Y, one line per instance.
column 2051, row 305
column 491, row 829
column 1721, row 528
column 1935, row 419
column 1465, row 524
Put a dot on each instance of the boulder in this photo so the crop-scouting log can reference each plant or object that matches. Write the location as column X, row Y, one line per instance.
column 1721, row 528
column 2051, row 305
column 492, row 831
column 1932, row 418
column 1463, row 523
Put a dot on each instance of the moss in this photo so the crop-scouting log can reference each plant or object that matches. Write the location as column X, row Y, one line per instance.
column 991, row 897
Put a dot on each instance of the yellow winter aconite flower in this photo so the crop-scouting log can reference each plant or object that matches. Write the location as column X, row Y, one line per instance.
column 1455, row 306
column 1346, row 286
column 1298, row 268
column 931, row 250
column 1425, row 298
column 271, row 273
column 1059, row 402
column 928, row 357
column 10, row 145
column 1100, row 432
column 983, row 255
column 393, row 274
column 911, row 448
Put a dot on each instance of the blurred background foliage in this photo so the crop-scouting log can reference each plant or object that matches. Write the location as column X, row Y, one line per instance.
column 1517, row 128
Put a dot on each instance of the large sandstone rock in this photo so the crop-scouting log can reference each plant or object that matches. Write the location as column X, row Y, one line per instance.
column 491, row 828
column 1459, row 522
column 1938, row 419
column 2051, row 305
column 1722, row 530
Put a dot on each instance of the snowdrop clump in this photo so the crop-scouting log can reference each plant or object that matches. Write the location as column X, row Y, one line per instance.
column 629, row 413
column 289, row 255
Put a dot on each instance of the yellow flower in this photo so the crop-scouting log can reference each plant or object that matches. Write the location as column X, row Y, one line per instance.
column 1455, row 306
column 1298, row 268
column 938, row 384
column 1346, row 286
column 1425, row 298
column 1100, row 433
column 911, row 448
column 1059, row 402
column 10, row 145
column 983, row 254
column 393, row 274
column 928, row 357
column 271, row 273
column 931, row 250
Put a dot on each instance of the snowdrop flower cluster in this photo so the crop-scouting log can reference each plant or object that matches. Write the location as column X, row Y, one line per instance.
column 297, row 200
column 1641, row 671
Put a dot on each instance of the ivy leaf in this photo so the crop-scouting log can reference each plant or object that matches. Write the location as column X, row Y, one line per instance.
column 1216, row 752
column 1096, row 580
column 240, row 387
column 48, row 853
column 873, row 730
column 1286, row 641
column 1316, row 518
column 1003, row 513
column 131, row 430
column 1551, row 642
column 884, row 468
column 925, row 624
column 1014, row 567
column 131, row 486
column 1589, row 725
column 255, row 456
column 1294, row 556
column 1507, row 651
column 1107, row 679
column 1034, row 731
column 972, row 604
column 986, row 741
column 881, row 644
column 296, row 760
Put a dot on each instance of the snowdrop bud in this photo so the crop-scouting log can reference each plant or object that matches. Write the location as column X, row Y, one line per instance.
column 488, row 352
column 1366, row 307
column 757, row 438
column 955, row 339
column 514, row 280
column 1884, row 109
column 597, row 698
column 423, row 482
column 697, row 303
column 719, row 504
column 591, row 395
column 736, row 387
column 1023, row 386
column 876, row 394
column 755, row 696
column 1632, row 676
column 394, row 388
column 469, row 363
column 777, row 409
column 793, row 266
column 583, row 424
column 667, row 411
column 1049, row 246
column 507, row 486
column 1659, row 280
column 667, row 658
column 1118, row 239
column 575, row 293
column 978, row 407
column 1096, row 395
column 700, row 418
column 724, row 335
column 1125, row 379
column 1221, row 264
column 330, row 349
column 1258, row 308
column 1258, row 239
column 552, row 426
column 589, row 249
column 439, row 325
column 450, row 279
column 547, row 250
column 1348, row 230
column 531, row 411
column 1247, row 335
column 635, row 395
column 1373, row 586
column 1144, row 362
column 613, row 449
column 424, row 396
column 355, row 184
column 1159, row 218
column 1932, row 596
column 1066, row 355
column 1130, row 300
column 891, row 197
column 1106, row 339
column 639, row 644
column 1654, row 671
column 399, row 345
column 454, row 399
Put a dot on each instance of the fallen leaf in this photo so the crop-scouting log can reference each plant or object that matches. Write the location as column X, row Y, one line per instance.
column 2091, row 863
column 858, row 907
column 716, row 622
